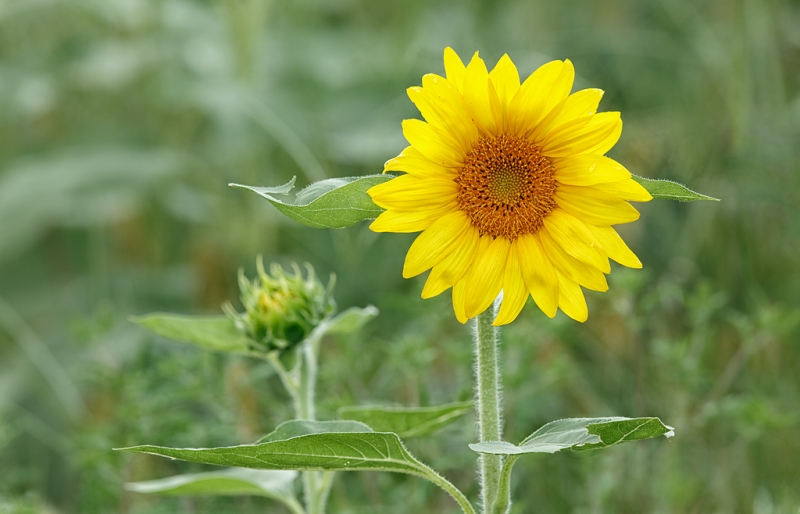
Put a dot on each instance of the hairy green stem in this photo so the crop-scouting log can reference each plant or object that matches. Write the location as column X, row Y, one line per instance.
column 294, row 506
column 503, row 501
column 325, row 488
column 307, row 365
column 488, row 404
column 289, row 383
column 429, row 474
column 304, row 409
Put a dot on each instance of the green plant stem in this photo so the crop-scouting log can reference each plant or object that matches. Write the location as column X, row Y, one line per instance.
column 503, row 501
column 307, row 365
column 294, row 506
column 304, row 409
column 458, row 496
column 288, row 382
column 488, row 404
column 325, row 488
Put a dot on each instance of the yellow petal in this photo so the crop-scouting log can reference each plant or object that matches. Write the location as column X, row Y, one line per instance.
column 578, row 136
column 585, row 274
column 435, row 243
column 626, row 189
column 505, row 78
column 608, row 143
column 454, row 68
column 459, row 300
column 409, row 221
column 577, row 105
column 593, row 206
column 477, row 88
column 515, row 292
column 574, row 237
column 588, row 169
column 436, row 146
column 528, row 104
column 408, row 193
column 486, row 276
column 538, row 273
column 444, row 117
column 450, row 99
column 615, row 247
column 460, row 287
column 412, row 161
column 445, row 274
column 571, row 300
column 561, row 87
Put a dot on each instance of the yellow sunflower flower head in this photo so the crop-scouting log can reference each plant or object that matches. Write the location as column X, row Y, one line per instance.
column 509, row 185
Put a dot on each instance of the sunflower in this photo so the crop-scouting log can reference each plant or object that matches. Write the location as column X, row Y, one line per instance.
column 511, row 189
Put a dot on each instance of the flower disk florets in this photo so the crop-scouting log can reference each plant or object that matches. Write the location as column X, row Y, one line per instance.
column 282, row 309
column 506, row 186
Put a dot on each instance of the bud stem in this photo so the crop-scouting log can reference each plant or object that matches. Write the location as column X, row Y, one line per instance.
column 307, row 352
column 307, row 364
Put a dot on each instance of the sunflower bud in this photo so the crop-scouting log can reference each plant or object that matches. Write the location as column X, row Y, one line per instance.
column 281, row 309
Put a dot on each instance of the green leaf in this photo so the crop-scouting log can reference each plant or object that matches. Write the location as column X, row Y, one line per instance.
column 407, row 422
column 314, row 452
column 335, row 451
column 669, row 190
column 580, row 434
column 300, row 427
column 350, row 320
column 233, row 481
column 217, row 333
column 331, row 203
column 229, row 482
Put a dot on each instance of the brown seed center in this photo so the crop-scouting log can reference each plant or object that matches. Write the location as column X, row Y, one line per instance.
column 506, row 186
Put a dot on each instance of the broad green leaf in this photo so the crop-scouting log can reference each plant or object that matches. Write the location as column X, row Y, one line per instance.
column 314, row 452
column 580, row 434
column 300, row 427
column 217, row 333
column 233, row 481
column 350, row 320
column 331, row 203
column 669, row 190
column 353, row 451
column 407, row 422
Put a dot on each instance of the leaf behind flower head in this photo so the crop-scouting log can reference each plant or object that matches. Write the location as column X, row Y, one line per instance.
column 331, row 203
column 669, row 190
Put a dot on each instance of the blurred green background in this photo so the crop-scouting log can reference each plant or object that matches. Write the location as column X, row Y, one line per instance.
column 122, row 121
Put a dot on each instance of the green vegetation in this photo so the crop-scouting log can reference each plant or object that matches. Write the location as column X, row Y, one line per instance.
column 123, row 121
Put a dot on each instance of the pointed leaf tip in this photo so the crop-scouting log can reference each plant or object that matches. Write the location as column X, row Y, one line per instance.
column 669, row 190
column 580, row 434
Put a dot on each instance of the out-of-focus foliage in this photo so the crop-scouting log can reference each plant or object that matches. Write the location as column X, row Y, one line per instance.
column 122, row 121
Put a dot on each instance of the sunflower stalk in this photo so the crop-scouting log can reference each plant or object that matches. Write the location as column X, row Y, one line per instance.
column 488, row 402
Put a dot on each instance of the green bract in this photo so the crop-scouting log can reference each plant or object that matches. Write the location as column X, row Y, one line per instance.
column 281, row 309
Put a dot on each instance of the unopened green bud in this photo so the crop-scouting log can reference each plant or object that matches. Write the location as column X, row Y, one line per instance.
column 282, row 309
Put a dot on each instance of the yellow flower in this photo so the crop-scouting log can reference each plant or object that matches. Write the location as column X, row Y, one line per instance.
column 510, row 187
